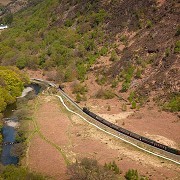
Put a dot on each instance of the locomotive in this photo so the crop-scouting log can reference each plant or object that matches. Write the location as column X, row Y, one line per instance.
column 131, row 134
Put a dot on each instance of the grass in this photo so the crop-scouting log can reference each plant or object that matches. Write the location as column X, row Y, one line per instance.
column 41, row 135
column 173, row 105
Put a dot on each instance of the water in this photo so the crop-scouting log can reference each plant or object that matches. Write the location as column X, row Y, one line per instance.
column 9, row 132
column 8, row 136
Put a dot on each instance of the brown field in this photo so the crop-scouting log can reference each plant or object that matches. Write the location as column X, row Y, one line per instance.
column 4, row 2
column 77, row 139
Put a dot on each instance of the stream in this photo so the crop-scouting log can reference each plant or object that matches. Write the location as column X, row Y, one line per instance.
column 9, row 127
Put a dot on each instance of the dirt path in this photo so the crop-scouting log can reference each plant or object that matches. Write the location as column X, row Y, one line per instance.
column 78, row 139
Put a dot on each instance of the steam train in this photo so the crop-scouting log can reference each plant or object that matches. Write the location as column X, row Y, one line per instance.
column 131, row 134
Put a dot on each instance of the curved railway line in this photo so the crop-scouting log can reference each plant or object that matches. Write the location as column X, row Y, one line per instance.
column 109, row 126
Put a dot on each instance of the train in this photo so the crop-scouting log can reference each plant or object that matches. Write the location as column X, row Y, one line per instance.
column 131, row 134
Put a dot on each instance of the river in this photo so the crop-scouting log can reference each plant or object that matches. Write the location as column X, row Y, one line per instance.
column 9, row 128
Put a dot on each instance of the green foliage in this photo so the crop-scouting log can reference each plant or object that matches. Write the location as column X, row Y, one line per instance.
column 132, row 96
column 103, row 51
column 8, row 19
column 149, row 24
column 68, row 23
column 178, row 31
column 112, row 166
column 79, row 88
column 105, row 94
column 167, row 52
column 11, row 85
column 114, row 83
column 91, row 169
column 132, row 175
column 12, row 172
column 125, row 86
column 173, row 105
column 127, row 75
column 124, row 39
column 133, row 105
column 114, row 56
column 21, row 63
column 101, row 80
column 177, row 47
column 80, row 97
column 138, row 73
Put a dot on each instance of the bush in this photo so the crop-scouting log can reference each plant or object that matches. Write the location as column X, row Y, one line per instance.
column 132, row 175
column 125, row 86
column 124, row 39
column 79, row 89
column 133, row 105
column 105, row 94
column 149, row 24
column 173, row 105
column 177, row 47
column 90, row 169
column 114, row 83
column 131, row 97
column 103, row 51
column 8, row 19
column 113, row 167
column 138, row 73
column 21, row 63
column 114, row 56
column 101, row 80
column 12, row 172
column 68, row 23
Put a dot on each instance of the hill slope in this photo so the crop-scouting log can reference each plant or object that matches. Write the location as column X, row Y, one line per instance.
column 130, row 46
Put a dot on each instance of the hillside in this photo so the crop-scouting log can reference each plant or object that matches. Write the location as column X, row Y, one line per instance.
column 131, row 47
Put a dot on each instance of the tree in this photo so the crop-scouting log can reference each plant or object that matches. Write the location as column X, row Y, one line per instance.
column 11, row 86
column 8, row 19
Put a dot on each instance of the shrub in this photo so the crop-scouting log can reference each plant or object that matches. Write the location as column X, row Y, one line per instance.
column 138, row 73
column 105, row 94
column 149, row 24
column 101, row 80
column 124, row 39
column 133, row 105
column 21, row 63
column 124, row 107
column 80, row 97
column 177, row 47
column 114, row 56
column 177, row 31
column 12, row 172
column 113, row 167
column 90, row 169
column 114, row 83
column 125, row 86
column 8, row 19
column 132, row 175
column 68, row 23
column 79, row 89
column 167, row 52
column 131, row 97
column 173, row 105
column 103, row 51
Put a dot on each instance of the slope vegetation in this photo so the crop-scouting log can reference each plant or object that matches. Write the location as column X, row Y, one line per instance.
column 138, row 39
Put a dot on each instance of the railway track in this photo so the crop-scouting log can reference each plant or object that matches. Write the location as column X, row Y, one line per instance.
column 161, row 153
